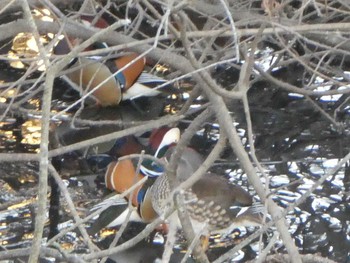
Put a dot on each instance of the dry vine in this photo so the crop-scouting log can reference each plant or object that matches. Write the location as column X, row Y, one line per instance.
column 305, row 43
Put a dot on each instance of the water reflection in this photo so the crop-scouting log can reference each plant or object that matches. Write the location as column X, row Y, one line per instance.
column 31, row 132
column 293, row 162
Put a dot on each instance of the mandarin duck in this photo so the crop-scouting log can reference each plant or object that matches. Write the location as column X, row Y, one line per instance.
column 121, row 176
column 211, row 201
column 112, row 88
column 98, row 156
column 95, row 73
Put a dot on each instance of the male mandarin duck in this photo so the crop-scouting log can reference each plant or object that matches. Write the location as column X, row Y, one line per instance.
column 107, row 87
column 95, row 73
column 70, row 132
column 121, row 175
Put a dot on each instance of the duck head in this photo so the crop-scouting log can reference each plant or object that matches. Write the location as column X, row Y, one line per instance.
column 121, row 175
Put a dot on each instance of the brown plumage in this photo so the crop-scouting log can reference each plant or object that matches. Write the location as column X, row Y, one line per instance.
column 212, row 200
column 90, row 74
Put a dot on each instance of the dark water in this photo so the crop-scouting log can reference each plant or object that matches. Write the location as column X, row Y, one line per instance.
column 296, row 146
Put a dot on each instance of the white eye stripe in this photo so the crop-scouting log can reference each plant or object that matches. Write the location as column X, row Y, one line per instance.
column 149, row 172
column 172, row 136
column 112, row 176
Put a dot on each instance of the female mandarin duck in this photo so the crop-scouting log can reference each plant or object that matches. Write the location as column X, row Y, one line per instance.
column 98, row 76
column 212, row 201
column 121, row 176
